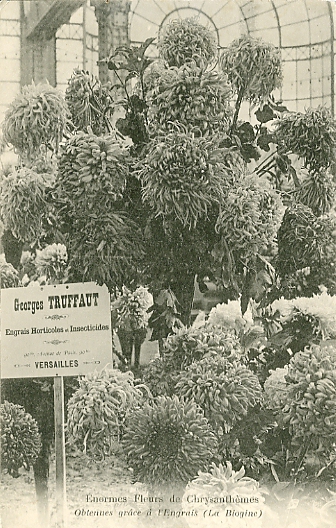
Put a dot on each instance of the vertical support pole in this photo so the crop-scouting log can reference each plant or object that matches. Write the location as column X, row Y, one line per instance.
column 60, row 452
column 0, row 390
column 112, row 18
column 38, row 55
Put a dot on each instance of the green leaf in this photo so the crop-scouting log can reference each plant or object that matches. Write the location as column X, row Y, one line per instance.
column 265, row 114
column 246, row 132
column 141, row 50
column 249, row 152
column 265, row 139
column 112, row 66
column 130, row 75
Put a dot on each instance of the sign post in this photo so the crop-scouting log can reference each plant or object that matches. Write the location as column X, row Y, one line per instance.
column 56, row 331
column 60, row 452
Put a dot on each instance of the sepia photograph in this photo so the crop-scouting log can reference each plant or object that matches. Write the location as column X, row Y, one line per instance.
column 167, row 264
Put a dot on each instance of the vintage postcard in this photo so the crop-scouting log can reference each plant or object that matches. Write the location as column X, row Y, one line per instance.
column 167, row 263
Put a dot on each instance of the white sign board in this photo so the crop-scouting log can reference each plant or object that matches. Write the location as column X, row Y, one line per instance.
column 61, row 330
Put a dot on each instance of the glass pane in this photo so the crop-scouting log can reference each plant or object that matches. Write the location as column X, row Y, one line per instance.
column 91, row 21
column 292, row 13
column 10, row 70
column 317, row 9
column 295, row 34
column 317, row 101
column 227, row 35
column 9, row 27
column 320, row 29
column 326, row 87
column 268, row 35
column 303, row 70
column 289, row 84
column 230, row 15
column 8, row 92
column 316, row 68
column 326, row 65
column 316, row 84
column 9, row 48
column 10, row 10
column 221, row 8
column 77, row 16
column 142, row 29
column 304, row 89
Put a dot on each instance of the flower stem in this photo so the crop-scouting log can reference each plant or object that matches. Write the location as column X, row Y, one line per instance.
column 238, row 105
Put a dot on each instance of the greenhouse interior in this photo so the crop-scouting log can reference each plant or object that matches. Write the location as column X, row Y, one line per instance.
column 168, row 263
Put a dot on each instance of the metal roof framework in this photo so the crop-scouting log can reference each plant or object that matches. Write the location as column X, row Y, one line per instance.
column 304, row 30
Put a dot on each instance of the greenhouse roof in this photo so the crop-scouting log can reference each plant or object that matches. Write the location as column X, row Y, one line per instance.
column 285, row 23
